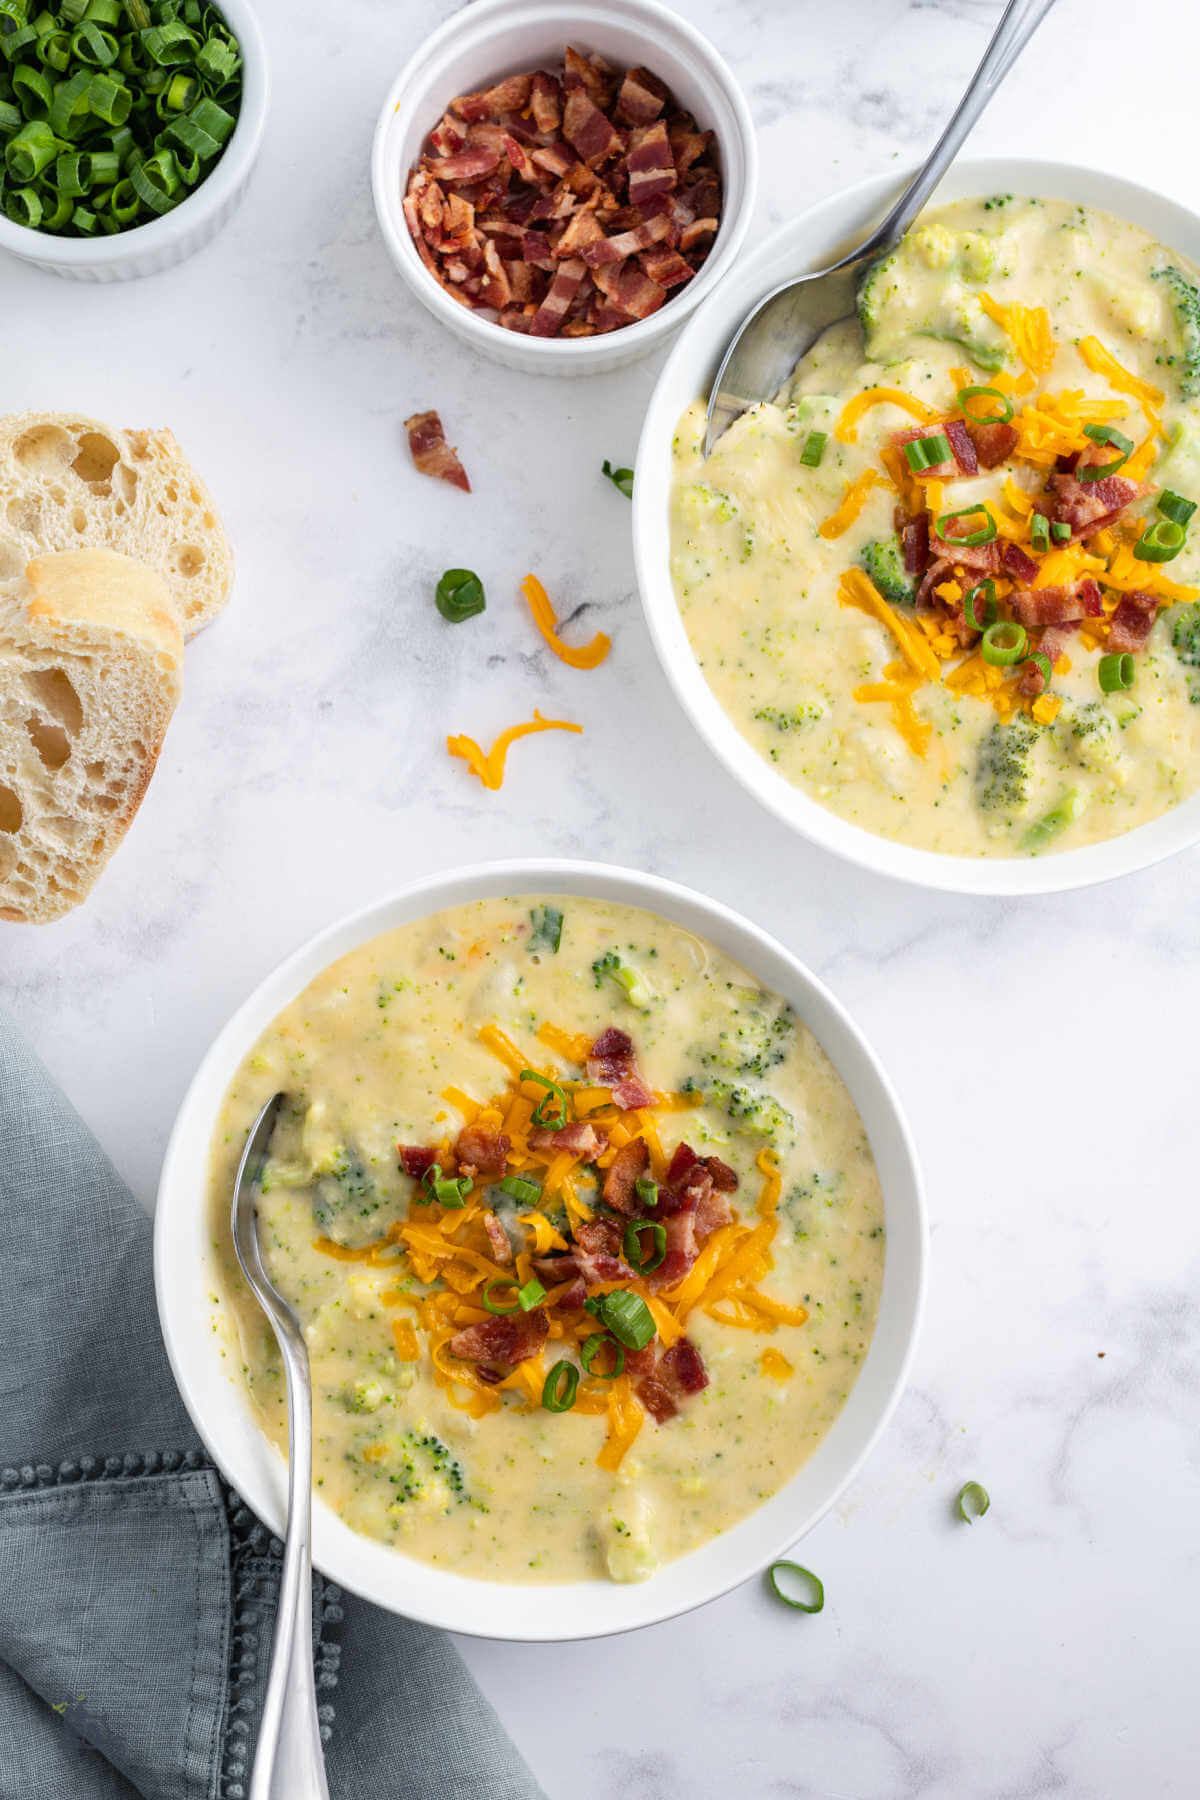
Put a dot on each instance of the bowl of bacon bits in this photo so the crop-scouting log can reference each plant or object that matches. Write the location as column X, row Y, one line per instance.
column 561, row 185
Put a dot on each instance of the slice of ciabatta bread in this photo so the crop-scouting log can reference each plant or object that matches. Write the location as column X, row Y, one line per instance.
column 90, row 657
column 69, row 482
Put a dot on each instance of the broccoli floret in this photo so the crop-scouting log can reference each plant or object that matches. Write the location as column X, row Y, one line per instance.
column 750, row 1110
column 1090, row 736
column 546, row 924
column 883, row 559
column 1185, row 636
column 889, row 305
column 876, row 288
column 985, row 356
column 1185, row 303
column 757, row 1043
column 1002, row 772
column 343, row 1190
column 1055, row 822
column 613, row 967
column 791, row 718
column 365, row 1396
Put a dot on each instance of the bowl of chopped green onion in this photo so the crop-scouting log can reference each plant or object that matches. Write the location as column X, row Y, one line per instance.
column 128, row 129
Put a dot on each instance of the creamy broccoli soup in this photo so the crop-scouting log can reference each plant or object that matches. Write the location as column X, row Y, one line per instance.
column 946, row 583
column 583, row 1228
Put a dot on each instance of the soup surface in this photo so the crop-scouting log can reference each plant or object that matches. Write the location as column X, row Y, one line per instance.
column 832, row 573
column 419, row 1180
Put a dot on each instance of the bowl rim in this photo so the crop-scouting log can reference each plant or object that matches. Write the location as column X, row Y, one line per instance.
column 202, row 203
column 182, row 1249
column 563, row 352
column 833, row 223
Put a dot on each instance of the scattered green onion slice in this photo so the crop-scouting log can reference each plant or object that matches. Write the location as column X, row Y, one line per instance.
column 1043, row 665
column 494, row 1306
column 983, row 535
column 986, row 588
column 1105, row 434
column 547, row 923
column 1060, row 531
column 814, row 449
column 29, row 151
column 592, row 1348
column 1170, row 505
column 531, row 1295
column 460, row 595
column 1039, row 532
column 447, row 1190
column 545, row 1121
column 1160, row 542
column 987, row 418
column 1003, row 643
column 1115, row 672
column 927, row 452
column 632, row 1246
column 797, row 1571
column 646, row 1189
column 560, row 1387
column 526, row 1192
column 626, row 1315
column 973, row 1501
column 620, row 478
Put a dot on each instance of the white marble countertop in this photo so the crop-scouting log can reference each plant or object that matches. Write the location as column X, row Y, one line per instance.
column 1044, row 1050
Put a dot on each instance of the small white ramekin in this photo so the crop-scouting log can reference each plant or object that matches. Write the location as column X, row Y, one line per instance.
column 147, row 249
column 494, row 38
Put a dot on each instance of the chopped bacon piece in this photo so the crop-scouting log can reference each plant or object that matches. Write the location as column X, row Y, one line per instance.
column 1057, row 605
column 1017, row 564
column 556, row 159
column 628, row 243
column 666, row 266
column 712, row 1211
column 681, row 1247
column 1089, row 506
column 547, row 320
column 581, row 229
column 994, row 441
column 506, row 1339
column 552, row 1269
column 641, row 98
column 416, row 1159
column 510, row 95
column 655, row 1397
column 682, row 1366
column 587, row 130
column 642, row 1362
column 545, row 103
column 914, row 540
column 481, row 1150
column 448, row 136
column 942, row 470
column 1132, row 622
column 464, row 165
column 1053, row 643
column 961, row 443
column 592, row 73
column 724, row 1179
column 650, row 164
column 637, row 295
column 627, row 1166
column 573, row 1298
column 580, row 1138
column 519, row 158
column 940, row 570
column 980, row 559
column 696, row 232
column 688, row 145
column 431, row 453
column 612, row 1064
column 598, row 1244
column 498, row 1238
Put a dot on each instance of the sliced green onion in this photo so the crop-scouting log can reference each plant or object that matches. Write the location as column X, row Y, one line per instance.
column 169, row 45
column 531, row 1295
column 560, row 1387
column 109, row 99
column 106, row 168
column 1160, row 542
column 1039, row 532
column 797, row 1571
column 1043, row 665
column 139, row 14
column 23, row 206
column 984, row 535
column 18, row 42
column 213, row 120
column 1115, row 672
column 73, row 172
column 987, row 418
column 627, row 1317
column 973, row 1501
column 10, row 118
column 217, row 61
column 492, row 1305
column 85, row 221
column 632, row 1246
column 32, row 88
column 987, row 588
column 1003, row 643
column 157, row 181
column 124, row 203
column 448, row 1191
column 30, row 151
column 927, row 452
column 646, row 1189
column 525, row 1192
column 60, row 212
column 1105, row 434
column 179, row 93
column 547, row 924
column 814, row 449
column 620, row 478
column 460, row 595
column 70, row 108
column 54, row 50
column 545, row 1122
column 73, row 10
column 105, row 12
column 1170, row 505
column 592, row 1348
column 94, row 46
column 1060, row 531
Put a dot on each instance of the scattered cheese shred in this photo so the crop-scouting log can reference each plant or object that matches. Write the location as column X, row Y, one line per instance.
column 776, row 1365
column 625, row 1417
column 1102, row 362
column 857, row 589
column 846, row 429
column 574, row 1046
column 1029, row 329
column 490, row 766
column 588, row 656
column 852, row 503
column 405, row 1338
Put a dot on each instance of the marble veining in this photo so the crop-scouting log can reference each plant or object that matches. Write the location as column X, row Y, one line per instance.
column 1043, row 1050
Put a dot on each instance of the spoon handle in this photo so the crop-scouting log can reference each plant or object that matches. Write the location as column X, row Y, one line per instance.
column 1020, row 20
column 289, row 1763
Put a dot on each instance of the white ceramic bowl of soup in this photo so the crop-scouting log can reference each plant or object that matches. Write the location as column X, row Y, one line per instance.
column 219, row 1405
column 812, row 241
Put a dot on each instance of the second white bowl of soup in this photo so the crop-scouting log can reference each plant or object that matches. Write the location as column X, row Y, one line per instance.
column 604, row 1230
column 938, row 604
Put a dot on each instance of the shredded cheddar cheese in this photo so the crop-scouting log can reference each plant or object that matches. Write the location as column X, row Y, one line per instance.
column 589, row 656
column 857, row 589
column 490, row 766
column 846, row 429
column 1102, row 362
column 1028, row 327
column 852, row 503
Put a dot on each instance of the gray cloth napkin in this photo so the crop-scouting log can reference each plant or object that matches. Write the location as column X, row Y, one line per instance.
column 137, row 1593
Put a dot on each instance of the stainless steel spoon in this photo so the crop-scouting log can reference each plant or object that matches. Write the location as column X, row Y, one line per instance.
column 791, row 317
column 288, row 1764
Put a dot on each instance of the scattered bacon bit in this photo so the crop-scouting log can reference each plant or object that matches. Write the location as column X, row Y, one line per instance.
column 941, row 470
column 1132, row 622
column 712, row 1211
column 613, row 1064
column 580, row 1138
column 682, row 1248
column 962, row 445
column 498, row 1239
column 1090, row 506
column 994, row 441
column 598, row 1251
column 1017, row 564
column 642, row 1362
column 1057, row 605
column 724, row 1179
column 981, row 559
column 481, row 1150
column 620, row 1178
column 1053, row 643
column 684, row 1368
column 416, row 1159
column 655, row 1397
column 569, row 172
column 506, row 1339
column 914, row 538
column 431, row 453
